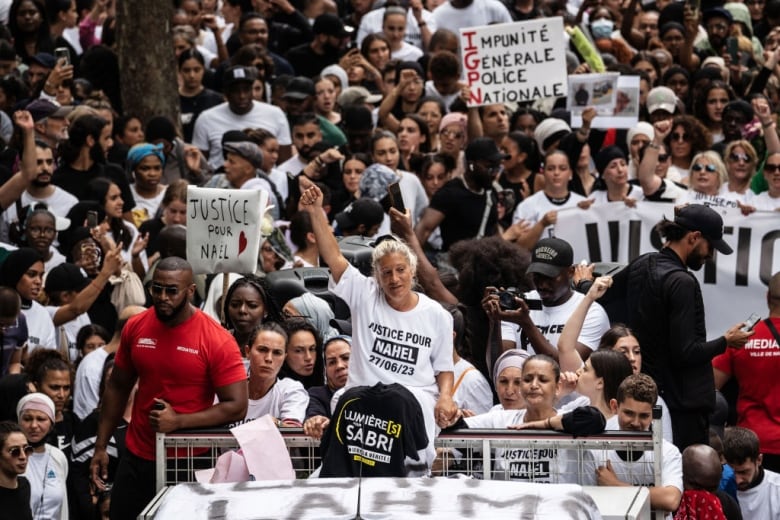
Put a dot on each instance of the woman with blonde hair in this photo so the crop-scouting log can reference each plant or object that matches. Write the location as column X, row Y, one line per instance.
column 741, row 163
column 708, row 174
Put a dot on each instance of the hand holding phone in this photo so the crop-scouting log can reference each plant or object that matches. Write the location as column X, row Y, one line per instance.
column 396, row 199
column 92, row 219
column 62, row 54
column 732, row 45
column 750, row 322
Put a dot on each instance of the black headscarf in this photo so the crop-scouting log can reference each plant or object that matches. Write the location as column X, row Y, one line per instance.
column 16, row 264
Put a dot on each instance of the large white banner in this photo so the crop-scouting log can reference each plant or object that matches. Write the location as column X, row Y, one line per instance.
column 733, row 286
column 223, row 229
column 515, row 62
column 397, row 499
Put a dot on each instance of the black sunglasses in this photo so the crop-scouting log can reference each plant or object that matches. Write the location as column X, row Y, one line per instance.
column 663, row 157
column 771, row 168
column 157, row 290
column 17, row 451
column 709, row 167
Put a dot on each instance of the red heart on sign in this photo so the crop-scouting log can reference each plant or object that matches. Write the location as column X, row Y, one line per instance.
column 242, row 242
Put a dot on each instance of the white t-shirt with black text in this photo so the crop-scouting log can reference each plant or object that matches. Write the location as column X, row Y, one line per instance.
column 390, row 346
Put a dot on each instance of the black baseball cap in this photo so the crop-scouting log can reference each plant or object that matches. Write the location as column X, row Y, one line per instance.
column 698, row 217
column 238, row 74
column 66, row 277
column 362, row 211
column 331, row 25
column 299, row 87
column 550, row 256
column 484, row 148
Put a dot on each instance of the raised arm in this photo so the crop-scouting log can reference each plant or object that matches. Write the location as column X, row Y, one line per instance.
column 688, row 58
column 15, row 186
column 84, row 299
column 764, row 112
column 311, row 202
column 627, row 31
column 428, row 276
column 568, row 356
column 648, row 179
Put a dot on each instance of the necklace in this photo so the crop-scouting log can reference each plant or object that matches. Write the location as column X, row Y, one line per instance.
column 558, row 201
column 465, row 185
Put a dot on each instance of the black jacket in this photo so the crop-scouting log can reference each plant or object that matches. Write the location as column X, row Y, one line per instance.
column 666, row 312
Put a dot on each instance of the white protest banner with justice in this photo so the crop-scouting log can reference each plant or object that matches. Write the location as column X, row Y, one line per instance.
column 223, row 229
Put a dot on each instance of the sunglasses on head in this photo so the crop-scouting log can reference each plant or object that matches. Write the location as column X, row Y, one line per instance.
column 157, row 290
column 772, row 168
column 677, row 136
column 739, row 157
column 708, row 167
column 16, row 452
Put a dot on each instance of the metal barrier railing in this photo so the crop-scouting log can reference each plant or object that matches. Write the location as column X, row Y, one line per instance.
column 486, row 454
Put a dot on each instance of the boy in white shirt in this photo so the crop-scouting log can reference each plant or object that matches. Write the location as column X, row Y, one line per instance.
column 758, row 489
column 634, row 410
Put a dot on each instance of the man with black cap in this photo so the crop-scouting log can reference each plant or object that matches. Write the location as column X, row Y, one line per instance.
column 361, row 218
column 330, row 37
column 666, row 312
column 51, row 126
column 238, row 112
column 717, row 22
column 298, row 100
column 465, row 207
column 538, row 330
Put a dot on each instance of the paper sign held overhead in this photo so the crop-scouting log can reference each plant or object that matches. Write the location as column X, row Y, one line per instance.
column 624, row 111
column 515, row 62
column 223, row 229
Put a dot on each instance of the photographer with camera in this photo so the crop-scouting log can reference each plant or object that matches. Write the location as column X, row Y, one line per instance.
column 533, row 325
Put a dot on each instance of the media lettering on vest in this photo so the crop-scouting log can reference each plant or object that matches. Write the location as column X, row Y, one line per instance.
column 223, row 229
column 514, row 62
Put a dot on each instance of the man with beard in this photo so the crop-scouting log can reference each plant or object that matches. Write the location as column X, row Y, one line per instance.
column 306, row 135
column 665, row 309
column 465, row 208
column 330, row 37
column 83, row 158
column 239, row 111
column 181, row 359
column 538, row 330
column 51, row 126
column 717, row 22
column 298, row 99
column 40, row 188
column 758, row 489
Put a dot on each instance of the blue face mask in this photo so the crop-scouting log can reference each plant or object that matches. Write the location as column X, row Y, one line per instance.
column 602, row 28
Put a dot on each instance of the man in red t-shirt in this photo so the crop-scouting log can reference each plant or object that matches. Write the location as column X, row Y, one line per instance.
column 755, row 368
column 181, row 359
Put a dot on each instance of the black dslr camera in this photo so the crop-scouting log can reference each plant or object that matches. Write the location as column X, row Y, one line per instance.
column 507, row 302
